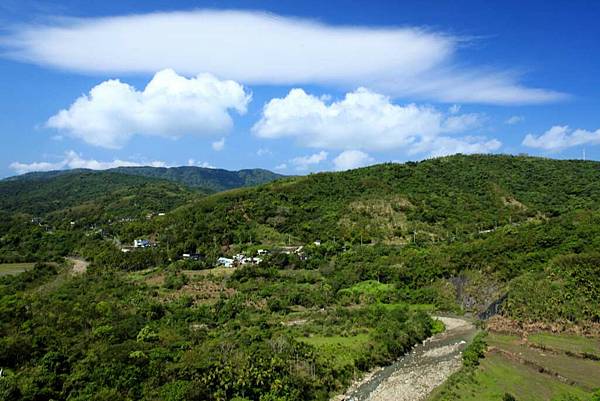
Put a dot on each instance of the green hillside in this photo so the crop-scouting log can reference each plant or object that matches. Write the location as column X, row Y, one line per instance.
column 119, row 193
column 214, row 180
column 45, row 216
column 202, row 178
column 459, row 234
column 433, row 200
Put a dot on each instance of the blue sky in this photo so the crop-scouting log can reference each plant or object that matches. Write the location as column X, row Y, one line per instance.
column 294, row 86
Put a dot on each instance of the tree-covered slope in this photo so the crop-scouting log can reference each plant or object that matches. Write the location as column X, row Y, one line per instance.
column 432, row 200
column 448, row 234
column 201, row 178
column 206, row 178
column 38, row 195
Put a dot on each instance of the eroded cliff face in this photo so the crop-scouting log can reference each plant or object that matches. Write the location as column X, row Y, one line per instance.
column 479, row 294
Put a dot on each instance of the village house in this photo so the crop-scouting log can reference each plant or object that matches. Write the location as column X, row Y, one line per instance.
column 192, row 256
column 141, row 243
column 225, row 262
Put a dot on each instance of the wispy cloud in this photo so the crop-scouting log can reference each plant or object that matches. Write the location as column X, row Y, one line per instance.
column 559, row 138
column 169, row 106
column 193, row 162
column 514, row 120
column 218, row 145
column 407, row 61
column 304, row 162
column 365, row 120
column 74, row 160
column 264, row 152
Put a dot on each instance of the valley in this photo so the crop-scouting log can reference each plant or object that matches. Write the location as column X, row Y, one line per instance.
column 383, row 251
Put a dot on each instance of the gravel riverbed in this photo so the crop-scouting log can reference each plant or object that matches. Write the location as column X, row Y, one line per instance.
column 414, row 376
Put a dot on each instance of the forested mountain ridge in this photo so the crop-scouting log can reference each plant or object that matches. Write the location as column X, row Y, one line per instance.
column 205, row 178
column 431, row 200
column 38, row 195
column 202, row 178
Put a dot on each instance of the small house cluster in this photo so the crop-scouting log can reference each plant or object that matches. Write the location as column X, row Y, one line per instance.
column 294, row 250
column 239, row 260
column 138, row 244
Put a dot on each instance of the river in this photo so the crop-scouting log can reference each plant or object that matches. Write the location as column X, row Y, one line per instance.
column 414, row 376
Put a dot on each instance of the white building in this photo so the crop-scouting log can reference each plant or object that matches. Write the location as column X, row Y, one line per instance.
column 141, row 243
column 225, row 262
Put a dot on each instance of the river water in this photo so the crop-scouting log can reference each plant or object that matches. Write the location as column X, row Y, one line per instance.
column 416, row 374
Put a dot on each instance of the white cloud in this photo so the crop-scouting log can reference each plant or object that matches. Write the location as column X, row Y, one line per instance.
column 514, row 120
column 559, row 137
column 364, row 120
column 192, row 162
column 74, row 160
column 350, row 159
column 454, row 109
column 264, row 152
column 262, row 48
column 282, row 166
column 443, row 145
column 304, row 162
column 218, row 145
column 169, row 106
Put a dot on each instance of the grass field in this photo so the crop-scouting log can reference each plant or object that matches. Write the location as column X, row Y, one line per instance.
column 343, row 350
column 14, row 268
column 513, row 366
column 567, row 343
column 216, row 271
column 498, row 375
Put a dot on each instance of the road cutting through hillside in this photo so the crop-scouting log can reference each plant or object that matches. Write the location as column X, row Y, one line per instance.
column 414, row 376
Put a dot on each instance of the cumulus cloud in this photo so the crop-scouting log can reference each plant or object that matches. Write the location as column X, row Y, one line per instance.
column 169, row 106
column 365, row 120
column 304, row 162
column 443, row 146
column 218, row 145
column 514, row 120
column 559, row 137
column 74, row 160
column 350, row 159
column 262, row 48
column 282, row 166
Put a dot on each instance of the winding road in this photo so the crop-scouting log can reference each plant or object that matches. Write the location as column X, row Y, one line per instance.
column 414, row 376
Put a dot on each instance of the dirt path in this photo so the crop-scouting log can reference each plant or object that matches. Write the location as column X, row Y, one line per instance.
column 414, row 376
column 79, row 265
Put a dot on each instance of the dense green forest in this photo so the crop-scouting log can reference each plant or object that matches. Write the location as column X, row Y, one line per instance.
column 99, row 191
column 453, row 234
column 205, row 179
column 211, row 179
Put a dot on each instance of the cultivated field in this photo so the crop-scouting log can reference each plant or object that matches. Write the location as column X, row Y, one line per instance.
column 544, row 366
column 14, row 268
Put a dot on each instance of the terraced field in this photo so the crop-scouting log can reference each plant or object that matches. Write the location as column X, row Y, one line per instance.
column 543, row 366
column 14, row 268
